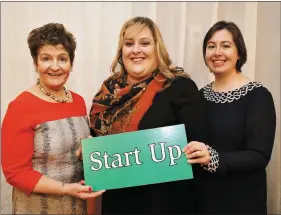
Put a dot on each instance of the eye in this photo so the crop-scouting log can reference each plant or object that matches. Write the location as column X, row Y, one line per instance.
column 210, row 47
column 145, row 43
column 129, row 43
column 63, row 59
column 45, row 59
column 226, row 46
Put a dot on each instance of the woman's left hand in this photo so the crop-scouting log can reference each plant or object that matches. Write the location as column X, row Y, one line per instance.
column 197, row 152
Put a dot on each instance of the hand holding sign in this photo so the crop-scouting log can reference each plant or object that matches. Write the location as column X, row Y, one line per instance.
column 197, row 152
column 80, row 191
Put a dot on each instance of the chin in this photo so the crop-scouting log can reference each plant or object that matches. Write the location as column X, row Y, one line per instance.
column 139, row 74
column 218, row 70
column 57, row 84
column 136, row 73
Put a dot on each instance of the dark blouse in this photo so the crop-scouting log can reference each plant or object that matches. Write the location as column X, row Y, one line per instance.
column 241, row 125
column 179, row 103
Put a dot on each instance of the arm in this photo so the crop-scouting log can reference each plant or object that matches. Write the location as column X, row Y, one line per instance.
column 53, row 187
column 17, row 149
column 17, row 152
column 189, row 109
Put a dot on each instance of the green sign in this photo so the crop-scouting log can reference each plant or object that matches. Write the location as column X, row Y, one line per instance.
column 136, row 158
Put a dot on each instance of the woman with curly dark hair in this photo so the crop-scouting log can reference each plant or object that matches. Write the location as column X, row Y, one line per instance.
column 41, row 132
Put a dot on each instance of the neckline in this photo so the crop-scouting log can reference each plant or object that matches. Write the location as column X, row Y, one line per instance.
column 228, row 96
column 55, row 103
column 210, row 86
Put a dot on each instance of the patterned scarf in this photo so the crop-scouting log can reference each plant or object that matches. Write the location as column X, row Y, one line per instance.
column 119, row 107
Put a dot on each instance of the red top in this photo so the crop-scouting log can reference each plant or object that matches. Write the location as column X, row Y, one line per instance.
column 18, row 129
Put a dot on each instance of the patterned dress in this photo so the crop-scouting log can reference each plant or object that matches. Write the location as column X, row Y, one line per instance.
column 40, row 137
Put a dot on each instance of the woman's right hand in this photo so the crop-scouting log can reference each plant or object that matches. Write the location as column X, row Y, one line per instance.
column 197, row 152
column 80, row 191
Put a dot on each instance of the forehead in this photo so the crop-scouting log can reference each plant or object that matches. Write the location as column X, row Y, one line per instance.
column 52, row 49
column 221, row 35
column 138, row 32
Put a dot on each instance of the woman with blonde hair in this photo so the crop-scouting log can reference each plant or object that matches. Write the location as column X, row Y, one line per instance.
column 146, row 91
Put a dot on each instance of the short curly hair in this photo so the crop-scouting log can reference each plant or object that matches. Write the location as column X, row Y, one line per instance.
column 51, row 34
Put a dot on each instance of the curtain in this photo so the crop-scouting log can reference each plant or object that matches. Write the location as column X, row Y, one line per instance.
column 96, row 26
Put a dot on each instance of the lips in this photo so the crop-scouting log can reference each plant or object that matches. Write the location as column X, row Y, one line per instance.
column 218, row 62
column 54, row 74
column 137, row 59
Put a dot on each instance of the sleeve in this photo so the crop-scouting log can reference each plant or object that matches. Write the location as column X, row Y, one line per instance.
column 190, row 110
column 260, row 128
column 17, row 150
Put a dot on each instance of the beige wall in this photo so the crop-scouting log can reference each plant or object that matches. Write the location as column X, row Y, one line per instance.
column 96, row 26
column 268, row 72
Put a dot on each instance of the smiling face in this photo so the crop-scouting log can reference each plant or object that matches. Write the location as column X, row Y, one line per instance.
column 221, row 53
column 53, row 66
column 139, row 55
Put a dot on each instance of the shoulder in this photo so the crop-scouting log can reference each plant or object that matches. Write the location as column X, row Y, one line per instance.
column 23, row 99
column 183, row 84
column 206, row 87
column 22, row 104
column 78, row 102
column 260, row 90
column 260, row 94
column 115, row 77
column 183, row 89
column 77, row 97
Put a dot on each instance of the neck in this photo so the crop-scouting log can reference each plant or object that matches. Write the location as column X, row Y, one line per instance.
column 133, row 80
column 57, row 91
column 228, row 81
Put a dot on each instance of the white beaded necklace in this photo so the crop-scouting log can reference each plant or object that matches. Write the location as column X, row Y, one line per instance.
column 52, row 96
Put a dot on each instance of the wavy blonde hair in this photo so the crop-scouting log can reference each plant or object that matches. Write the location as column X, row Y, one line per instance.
column 130, row 29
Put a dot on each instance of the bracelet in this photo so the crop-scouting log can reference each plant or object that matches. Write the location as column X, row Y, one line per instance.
column 214, row 162
column 61, row 188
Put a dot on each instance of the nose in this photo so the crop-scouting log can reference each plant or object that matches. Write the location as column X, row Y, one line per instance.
column 55, row 65
column 136, row 48
column 217, row 51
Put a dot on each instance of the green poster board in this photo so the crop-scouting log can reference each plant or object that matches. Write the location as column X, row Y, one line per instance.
column 136, row 158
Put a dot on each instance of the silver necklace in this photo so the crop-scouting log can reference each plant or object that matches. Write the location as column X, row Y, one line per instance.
column 52, row 96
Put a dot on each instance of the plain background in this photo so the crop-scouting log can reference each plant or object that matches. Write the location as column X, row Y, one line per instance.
column 96, row 26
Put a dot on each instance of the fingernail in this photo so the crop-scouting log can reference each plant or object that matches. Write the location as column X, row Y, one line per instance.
column 90, row 189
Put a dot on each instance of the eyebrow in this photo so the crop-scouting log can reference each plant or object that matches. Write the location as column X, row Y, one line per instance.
column 220, row 42
column 143, row 38
column 64, row 53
